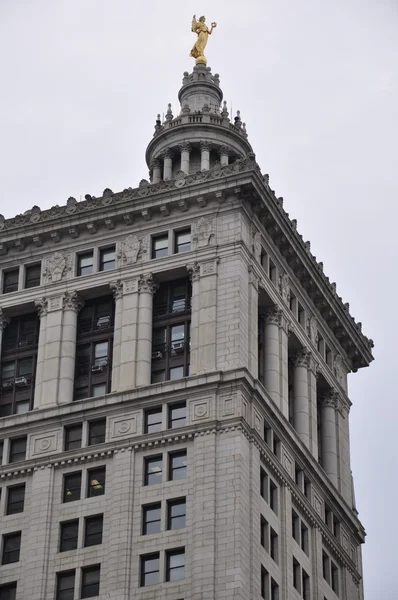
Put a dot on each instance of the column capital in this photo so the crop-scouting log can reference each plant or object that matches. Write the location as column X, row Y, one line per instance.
column 156, row 163
column 147, row 283
column 330, row 399
column 116, row 288
column 167, row 153
column 205, row 145
column 185, row 147
column 3, row 320
column 225, row 150
column 273, row 316
column 194, row 271
column 42, row 306
column 301, row 358
column 72, row 301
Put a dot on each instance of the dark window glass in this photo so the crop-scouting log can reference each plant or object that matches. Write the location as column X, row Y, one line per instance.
column 96, row 432
column 160, row 246
column 10, row 281
column 66, row 585
column 8, row 591
column 150, row 569
column 73, row 437
column 151, row 519
column 72, row 487
column 274, row 590
column 1, row 452
column 96, row 482
column 153, row 420
column 273, row 496
column 158, row 377
column 68, row 535
column 264, row 533
column 296, row 575
column 176, row 513
column 11, row 548
column 177, row 415
column 32, row 276
column 17, row 450
column 91, row 581
column 264, row 583
column 25, row 366
column 15, row 499
column 153, row 470
column 93, row 530
column 178, row 465
column 175, row 565
column 107, row 259
column 85, row 264
column 182, row 241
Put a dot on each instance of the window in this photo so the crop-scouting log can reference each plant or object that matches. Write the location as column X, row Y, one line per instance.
column 264, row 533
column 17, row 450
column 107, row 259
column 293, row 304
column 150, row 565
column 301, row 315
column 274, row 590
column 68, row 535
column 15, row 499
column 72, row 486
column 304, row 539
column 11, row 548
column 151, row 518
column 153, row 470
column 334, row 577
column 182, row 241
column 153, row 420
column 329, row 356
column 264, row 485
column 10, row 281
column 273, row 496
column 264, row 583
column 268, row 434
column 176, row 513
column 91, row 581
column 85, row 263
column 160, row 246
column 73, row 437
column 8, row 591
column 305, row 588
column 32, row 276
column 321, row 345
column 96, row 432
column 66, row 585
column 272, row 271
column 276, row 447
column 326, row 567
column 274, row 545
column 175, row 565
column 96, row 482
column 177, row 415
column 177, row 465
column 93, row 530
column 295, row 526
column 296, row 575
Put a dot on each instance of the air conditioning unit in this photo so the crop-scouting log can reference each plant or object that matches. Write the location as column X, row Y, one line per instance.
column 21, row 381
column 157, row 354
column 103, row 322
column 7, row 384
column 97, row 368
column 178, row 346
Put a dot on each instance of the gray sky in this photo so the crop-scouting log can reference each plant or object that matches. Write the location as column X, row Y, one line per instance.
column 316, row 83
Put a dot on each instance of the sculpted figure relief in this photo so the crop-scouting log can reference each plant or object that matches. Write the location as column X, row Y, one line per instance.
column 203, row 233
column 131, row 250
column 56, row 267
column 203, row 32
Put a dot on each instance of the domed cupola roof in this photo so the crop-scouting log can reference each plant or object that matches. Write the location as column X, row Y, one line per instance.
column 201, row 135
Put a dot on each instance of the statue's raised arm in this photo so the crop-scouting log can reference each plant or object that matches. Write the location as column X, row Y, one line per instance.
column 203, row 32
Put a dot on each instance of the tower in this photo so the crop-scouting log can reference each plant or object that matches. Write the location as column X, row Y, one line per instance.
column 174, row 412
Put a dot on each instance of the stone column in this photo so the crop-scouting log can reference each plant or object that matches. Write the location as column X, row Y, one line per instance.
column 204, row 314
column 205, row 156
column 224, row 155
column 41, row 375
column 146, row 289
column 301, row 407
column 117, row 290
column 194, row 275
column 284, row 350
column 313, row 401
column 168, row 164
column 71, row 306
column 328, row 407
column 253, row 324
column 3, row 324
column 156, row 167
column 185, row 149
column 125, row 334
column 272, row 323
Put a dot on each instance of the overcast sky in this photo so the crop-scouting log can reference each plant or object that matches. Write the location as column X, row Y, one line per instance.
column 316, row 83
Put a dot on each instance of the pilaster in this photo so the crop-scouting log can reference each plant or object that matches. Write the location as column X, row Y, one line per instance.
column 301, row 408
column 146, row 289
column 328, row 405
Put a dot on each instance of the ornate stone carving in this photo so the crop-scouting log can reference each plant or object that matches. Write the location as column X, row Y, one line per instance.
column 224, row 151
column 116, row 288
column 156, row 163
column 330, row 399
column 253, row 278
column 273, row 316
column 42, row 306
column 3, row 320
column 338, row 368
column 194, row 271
column 132, row 249
column 167, row 153
column 203, row 234
column 205, row 146
column 147, row 283
column 2, row 222
column 284, row 287
column 257, row 246
column 56, row 267
column 301, row 358
column 185, row 147
column 72, row 301
column 313, row 329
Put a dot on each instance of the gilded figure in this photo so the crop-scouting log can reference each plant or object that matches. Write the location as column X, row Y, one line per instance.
column 203, row 32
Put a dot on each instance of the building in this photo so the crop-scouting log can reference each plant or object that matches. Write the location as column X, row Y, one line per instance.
column 174, row 409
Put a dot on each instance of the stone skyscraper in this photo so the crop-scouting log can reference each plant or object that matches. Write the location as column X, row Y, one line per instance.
column 174, row 417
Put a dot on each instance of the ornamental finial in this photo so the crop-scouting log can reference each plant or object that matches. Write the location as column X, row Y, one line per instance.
column 203, row 32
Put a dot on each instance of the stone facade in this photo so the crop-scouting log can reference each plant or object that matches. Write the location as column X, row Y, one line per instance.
column 266, row 429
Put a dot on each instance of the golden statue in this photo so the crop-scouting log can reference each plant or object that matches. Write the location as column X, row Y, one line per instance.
column 203, row 32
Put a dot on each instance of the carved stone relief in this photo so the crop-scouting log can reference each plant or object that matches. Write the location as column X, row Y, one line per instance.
column 203, row 233
column 57, row 267
column 124, row 426
column 132, row 250
column 284, row 287
column 257, row 246
column 44, row 443
column 313, row 329
column 199, row 410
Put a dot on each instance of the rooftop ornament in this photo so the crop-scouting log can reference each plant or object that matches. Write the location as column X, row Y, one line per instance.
column 203, row 32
